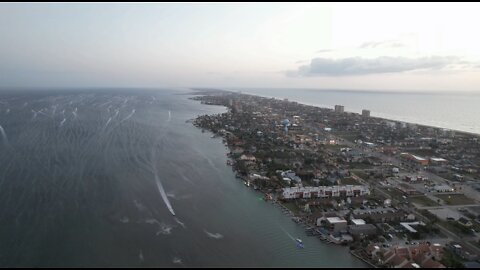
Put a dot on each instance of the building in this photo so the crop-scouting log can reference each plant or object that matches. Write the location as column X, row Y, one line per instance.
column 438, row 161
column 358, row 231
column 339, row 109
column 324, row 192
column 407, row 189
column 337, row 224
column 443, row 188
column 365, row 113
column 408, row 226
column 381, row 216
column 414, row 158
column 358, row 222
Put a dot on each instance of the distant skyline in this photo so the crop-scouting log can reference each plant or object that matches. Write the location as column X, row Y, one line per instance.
column 367, row 46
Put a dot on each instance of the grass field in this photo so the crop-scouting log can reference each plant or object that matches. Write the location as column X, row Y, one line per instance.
column 455, row 199
column 395, row 193
column 360, row 173
column 349, row 181
column 292, row 207
column 422, row 201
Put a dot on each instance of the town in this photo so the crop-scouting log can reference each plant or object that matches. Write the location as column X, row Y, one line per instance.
column 398, row 194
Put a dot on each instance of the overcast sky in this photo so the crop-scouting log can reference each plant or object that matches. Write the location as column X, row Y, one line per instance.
column 400, row 46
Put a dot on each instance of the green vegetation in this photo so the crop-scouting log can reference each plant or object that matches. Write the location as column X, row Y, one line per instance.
column 360, row 165
column 456, row 227
column 451, row 260
column 395, row 193
column 455, row 199
column 349, row 181
column 422, row 201
column 429, row 215
column 335, row 147
column 292, row 206
column 360, row 173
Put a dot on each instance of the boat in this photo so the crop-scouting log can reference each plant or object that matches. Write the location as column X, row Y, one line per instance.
column 247, row 183
column 299, row 243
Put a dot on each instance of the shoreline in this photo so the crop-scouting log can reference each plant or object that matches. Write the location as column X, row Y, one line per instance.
column 212, row 90
column 310, row 229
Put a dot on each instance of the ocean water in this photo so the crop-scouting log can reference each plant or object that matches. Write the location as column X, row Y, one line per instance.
column 457, row 111
column 87, row 179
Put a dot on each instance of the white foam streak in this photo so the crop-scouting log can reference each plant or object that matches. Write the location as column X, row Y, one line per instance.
column 63, row 121
column 4, row 135
column 130, row 115
column 213, row 235
column 180, row 223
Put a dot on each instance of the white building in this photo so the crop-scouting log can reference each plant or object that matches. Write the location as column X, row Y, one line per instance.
column 358, row 221
column 325, row 192
column 337, row 223
column 443, row 188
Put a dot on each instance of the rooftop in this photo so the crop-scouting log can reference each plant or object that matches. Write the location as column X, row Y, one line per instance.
column 332, row 220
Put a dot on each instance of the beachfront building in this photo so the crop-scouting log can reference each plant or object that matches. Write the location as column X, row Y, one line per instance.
column 339, row 108
column 337, row 224
column 325, row 192
column 414, row 158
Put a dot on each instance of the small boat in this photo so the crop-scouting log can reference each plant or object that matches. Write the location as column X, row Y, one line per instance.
column 247, row 183
column 299, row 243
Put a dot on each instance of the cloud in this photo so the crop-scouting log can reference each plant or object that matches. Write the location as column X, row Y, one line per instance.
column 362, row 66
column 382, row 44
column 324, row 51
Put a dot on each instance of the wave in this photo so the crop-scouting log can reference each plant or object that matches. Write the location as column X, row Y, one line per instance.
column 63, row 121
column 4, row 135
column 108, row 121
column 164, row 229
column 180, row 223
column 130, row 115
column 213, row 235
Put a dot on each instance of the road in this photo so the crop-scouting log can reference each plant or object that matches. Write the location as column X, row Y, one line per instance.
column 395, row 162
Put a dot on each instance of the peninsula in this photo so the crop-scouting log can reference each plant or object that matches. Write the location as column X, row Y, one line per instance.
column 399, row 194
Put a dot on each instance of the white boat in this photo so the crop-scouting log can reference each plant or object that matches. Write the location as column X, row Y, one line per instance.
column 299, row 243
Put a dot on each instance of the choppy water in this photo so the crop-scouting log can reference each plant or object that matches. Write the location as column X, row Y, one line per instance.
column 458, row 111
column 81, row 179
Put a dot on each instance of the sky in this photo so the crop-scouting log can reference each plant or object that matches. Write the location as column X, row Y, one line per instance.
column 368, row 46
